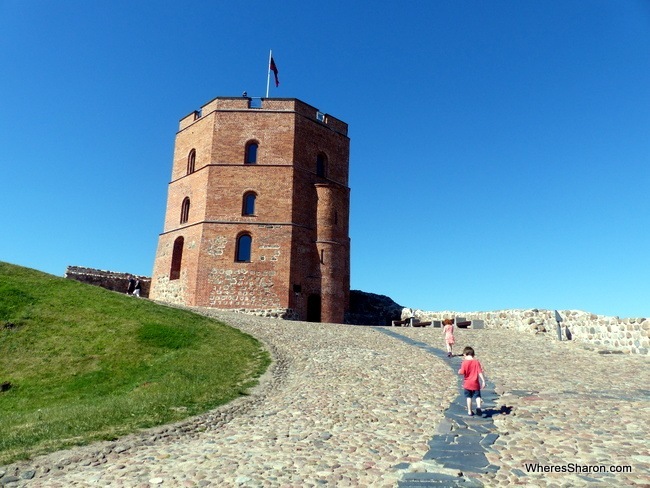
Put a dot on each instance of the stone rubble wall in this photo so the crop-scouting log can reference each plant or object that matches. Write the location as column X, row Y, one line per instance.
column 276, row 313
column 110, row 280
column 631, row 335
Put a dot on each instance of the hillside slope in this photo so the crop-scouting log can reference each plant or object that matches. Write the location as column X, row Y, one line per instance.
column 80, row 363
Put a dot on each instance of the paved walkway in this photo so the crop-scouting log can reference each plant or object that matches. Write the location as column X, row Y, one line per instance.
column 370, row 407
column 460, row 442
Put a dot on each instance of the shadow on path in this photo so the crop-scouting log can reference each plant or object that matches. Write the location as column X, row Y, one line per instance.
column 460, row 442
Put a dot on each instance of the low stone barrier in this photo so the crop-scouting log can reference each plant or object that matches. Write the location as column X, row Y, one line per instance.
column 630, row 335
column 111, row 280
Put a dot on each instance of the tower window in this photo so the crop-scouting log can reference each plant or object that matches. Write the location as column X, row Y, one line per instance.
column 251, row 153
column 244, row 245
column 321, row 165
column 185, row 210
column 248, row 206
column 191, row 162
column 177, row 258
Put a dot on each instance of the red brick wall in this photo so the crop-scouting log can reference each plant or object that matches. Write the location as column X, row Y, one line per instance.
column 285, row 266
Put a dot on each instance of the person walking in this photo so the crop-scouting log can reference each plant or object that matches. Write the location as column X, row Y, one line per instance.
column 448, row 332
column 131, row 286
column 472, row 371
column 137, row 288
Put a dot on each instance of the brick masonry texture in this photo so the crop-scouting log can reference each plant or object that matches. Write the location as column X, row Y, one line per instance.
column 300, row 255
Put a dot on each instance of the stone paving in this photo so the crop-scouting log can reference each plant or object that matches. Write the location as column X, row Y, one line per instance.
column 574, row 410
column 460, row 442
column 357, row 406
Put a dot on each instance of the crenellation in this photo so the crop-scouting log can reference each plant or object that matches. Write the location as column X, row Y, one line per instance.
column 268, row 105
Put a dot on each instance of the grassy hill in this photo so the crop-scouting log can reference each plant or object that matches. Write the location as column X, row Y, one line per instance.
column 80, row 363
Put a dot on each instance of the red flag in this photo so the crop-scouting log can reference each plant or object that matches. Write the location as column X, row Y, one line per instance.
column 274, row 68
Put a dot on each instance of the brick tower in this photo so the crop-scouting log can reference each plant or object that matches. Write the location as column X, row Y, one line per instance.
column 258, row 211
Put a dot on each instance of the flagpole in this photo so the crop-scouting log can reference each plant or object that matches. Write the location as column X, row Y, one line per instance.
column 268, row 74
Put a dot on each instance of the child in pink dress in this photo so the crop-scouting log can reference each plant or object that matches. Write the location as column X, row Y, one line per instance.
column 448, row 331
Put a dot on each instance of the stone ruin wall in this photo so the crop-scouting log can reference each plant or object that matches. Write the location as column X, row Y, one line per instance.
column 274, row 313
column 173, row 292
column 631, row 335
column 611, row 333
column 110, row 280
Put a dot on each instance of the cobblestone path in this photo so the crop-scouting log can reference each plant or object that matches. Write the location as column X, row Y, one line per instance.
column 350, row 406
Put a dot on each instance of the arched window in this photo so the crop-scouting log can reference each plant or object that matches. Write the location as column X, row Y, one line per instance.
column 321, row 165
column 177, row 258
column 185, row 210
column 248, row 204
column 191, row 162
column 244, row 245
column 251, row 152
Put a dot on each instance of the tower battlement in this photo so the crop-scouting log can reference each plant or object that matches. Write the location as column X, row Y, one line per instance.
column 264, row 105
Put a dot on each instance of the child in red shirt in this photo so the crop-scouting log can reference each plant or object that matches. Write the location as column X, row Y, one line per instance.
column 472, row 370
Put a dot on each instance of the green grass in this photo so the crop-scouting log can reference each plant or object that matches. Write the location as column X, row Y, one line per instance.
column 88, row 364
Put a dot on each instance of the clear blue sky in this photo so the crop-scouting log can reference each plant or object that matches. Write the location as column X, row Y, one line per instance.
column 500, row 150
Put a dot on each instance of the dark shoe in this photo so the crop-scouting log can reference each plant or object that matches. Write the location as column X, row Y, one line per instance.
column 479, row 411
column 471, row 414
column 448, row 354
